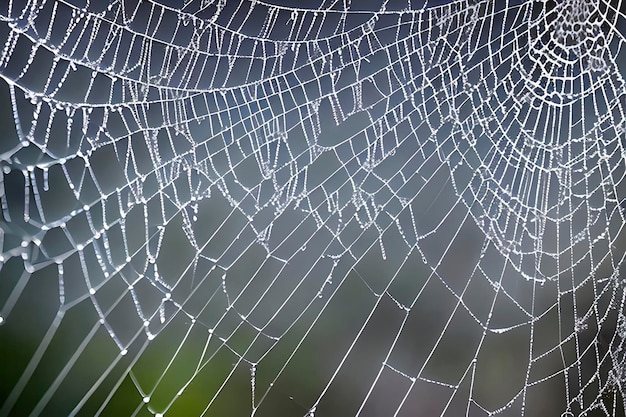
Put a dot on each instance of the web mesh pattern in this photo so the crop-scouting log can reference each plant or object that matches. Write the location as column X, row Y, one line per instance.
column 253, row 208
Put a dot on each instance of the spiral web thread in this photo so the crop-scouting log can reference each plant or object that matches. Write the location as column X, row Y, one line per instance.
column 246, row 208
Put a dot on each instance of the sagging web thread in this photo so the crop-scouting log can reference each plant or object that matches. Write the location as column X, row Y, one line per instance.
column 422, row 198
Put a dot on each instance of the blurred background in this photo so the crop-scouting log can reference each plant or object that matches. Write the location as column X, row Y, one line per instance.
column 309, row 244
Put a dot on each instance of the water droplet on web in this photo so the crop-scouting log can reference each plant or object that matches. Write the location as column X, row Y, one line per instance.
column 1, row 320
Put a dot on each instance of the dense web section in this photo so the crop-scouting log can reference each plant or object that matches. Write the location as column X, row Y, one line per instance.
column 329, row 208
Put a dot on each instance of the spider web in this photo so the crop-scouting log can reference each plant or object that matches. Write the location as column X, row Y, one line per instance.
column 251, row 208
